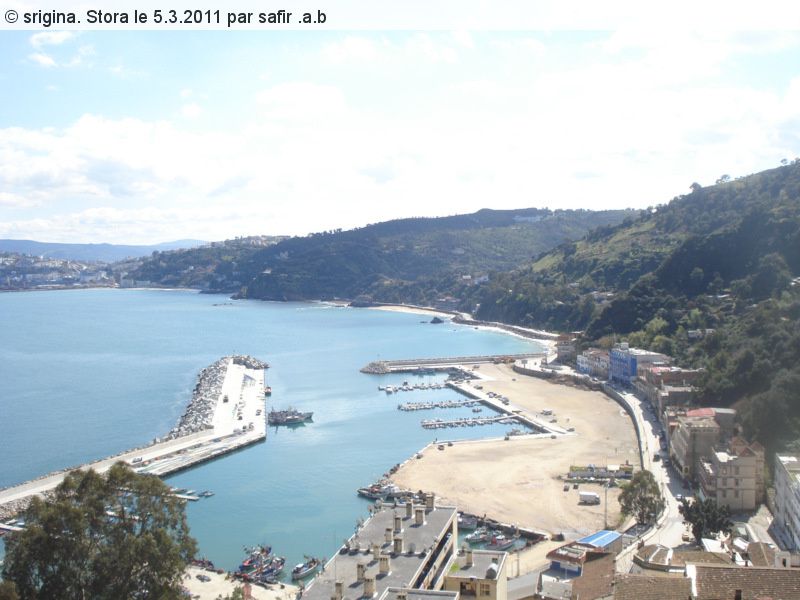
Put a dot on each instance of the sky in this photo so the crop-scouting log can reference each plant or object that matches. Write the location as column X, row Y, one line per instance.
column 150, row 136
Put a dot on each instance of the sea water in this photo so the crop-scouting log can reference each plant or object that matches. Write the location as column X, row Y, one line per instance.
column 89, row 373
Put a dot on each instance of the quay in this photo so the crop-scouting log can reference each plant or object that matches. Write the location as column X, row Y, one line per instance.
column 227, row 413
column 416, row 365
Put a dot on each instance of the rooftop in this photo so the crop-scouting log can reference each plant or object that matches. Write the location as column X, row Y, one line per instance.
column 399, row 593
column 645, row 587
column 418, row 542
column 710, row 582
column 601, row 539
column 481, row 561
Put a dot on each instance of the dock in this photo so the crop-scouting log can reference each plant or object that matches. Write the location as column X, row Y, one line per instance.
column 419, row 365
column 413, row 406
column 468, row 422
column 237, row 421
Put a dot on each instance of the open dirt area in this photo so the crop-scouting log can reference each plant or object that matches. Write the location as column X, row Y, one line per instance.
column 516, row 481
column 220, row 586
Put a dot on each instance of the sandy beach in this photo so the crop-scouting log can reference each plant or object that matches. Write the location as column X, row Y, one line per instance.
column 413, row 310
column 517, row 481
column 221, row 586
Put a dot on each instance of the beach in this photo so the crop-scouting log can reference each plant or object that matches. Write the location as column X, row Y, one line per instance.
column 220, row 586
column 516, row 481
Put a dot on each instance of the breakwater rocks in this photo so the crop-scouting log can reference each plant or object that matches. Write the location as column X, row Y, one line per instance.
column 206, row 394
column 248, row 362
column 376, row 368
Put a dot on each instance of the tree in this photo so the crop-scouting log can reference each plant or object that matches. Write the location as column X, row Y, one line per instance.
column 705, row 517
column 8, row 591
column 122, row 535
column 641, row 498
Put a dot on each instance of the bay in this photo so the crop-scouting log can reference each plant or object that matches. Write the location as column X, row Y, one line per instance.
column 89, row 373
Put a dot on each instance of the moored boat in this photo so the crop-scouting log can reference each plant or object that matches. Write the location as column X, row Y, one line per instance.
column 479, row 536
column 305, row 569
column 289, row 416
column 467, row 522
column 500, row 542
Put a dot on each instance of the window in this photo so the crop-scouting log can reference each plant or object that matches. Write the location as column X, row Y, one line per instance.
column 735, row 493
column 486, row 589
column 724, row 493
column 736, row 469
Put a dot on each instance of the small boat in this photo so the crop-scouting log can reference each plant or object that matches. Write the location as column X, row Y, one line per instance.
column 479, row 536
column 378, row 492
column 288, row 417
column 256, row 558
column 477, row 410
column 267, row 391
column 206, row 494
column 501, row 542
column 305, row 569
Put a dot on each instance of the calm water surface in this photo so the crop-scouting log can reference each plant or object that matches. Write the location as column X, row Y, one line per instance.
column 89, row 373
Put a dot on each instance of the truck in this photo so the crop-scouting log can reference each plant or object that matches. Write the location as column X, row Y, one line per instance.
column 589, row 498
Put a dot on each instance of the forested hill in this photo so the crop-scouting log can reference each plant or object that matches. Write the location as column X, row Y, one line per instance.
column 723, row 257
column 410, row 260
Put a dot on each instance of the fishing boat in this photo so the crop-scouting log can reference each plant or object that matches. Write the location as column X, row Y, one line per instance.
column 501, row 543
column 378, row 491
column 479, row 536
column 256, row 557
column 289, row 416
column 267, row 390
column 305, row 569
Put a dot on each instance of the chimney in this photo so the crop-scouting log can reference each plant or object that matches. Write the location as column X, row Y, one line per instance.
column 338, row 593
column 376, row 551
column 398, row 544
column 361, row 570
column 409, row 509
column 369, row 586
column 402, row 595
column 385, row 565
column 388, row 535
column 398, row 524
column 468, row 556
column 420, row 516
column 429, row 502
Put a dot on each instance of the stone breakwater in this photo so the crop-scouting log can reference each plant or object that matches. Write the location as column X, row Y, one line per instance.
column 199, row 413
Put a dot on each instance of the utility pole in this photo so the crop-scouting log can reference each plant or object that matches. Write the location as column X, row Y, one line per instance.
column 605, row 508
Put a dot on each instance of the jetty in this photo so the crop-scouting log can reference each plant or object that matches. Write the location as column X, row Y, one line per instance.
column 413, row 406
column 468, row 422
column 415, row 365
column 226, row 413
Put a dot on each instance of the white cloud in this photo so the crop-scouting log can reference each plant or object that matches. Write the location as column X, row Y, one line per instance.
column 629, row 123
column 50, row 38
column 42, row 59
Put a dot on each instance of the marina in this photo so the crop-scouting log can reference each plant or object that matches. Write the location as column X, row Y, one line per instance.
column 115, row 392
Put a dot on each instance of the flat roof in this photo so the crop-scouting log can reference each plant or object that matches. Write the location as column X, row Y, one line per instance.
column 601, row 539
column 481, row 561
column 418, row 543
column 396, row 593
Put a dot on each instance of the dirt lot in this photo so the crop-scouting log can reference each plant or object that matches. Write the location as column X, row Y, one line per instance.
column 516, row 481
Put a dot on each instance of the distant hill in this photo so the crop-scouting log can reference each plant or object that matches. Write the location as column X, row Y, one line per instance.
column 409, row 260
column 91, row 252
column 723, row 258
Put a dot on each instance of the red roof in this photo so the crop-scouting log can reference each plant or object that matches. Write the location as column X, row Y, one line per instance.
column 701, row 412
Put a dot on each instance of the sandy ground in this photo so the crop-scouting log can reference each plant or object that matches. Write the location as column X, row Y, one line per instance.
column 516, row 481
column 220, row 587
column 413, row 310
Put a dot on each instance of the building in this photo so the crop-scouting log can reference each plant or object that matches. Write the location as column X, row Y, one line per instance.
column 585, row 566
column 787, row 500
column 594, row 362
column 478, row 574
column 566, row 349
column 733, row 475
column 718, row 582
column 664, row 386
column 625, row 361
column 407, row 548
column 692, row 439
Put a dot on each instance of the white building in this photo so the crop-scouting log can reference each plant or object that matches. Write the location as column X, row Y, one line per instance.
column 787, row 499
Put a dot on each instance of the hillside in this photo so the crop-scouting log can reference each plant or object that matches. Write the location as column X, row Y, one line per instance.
column 90, row 252
column 413, row 260
column 722, row 258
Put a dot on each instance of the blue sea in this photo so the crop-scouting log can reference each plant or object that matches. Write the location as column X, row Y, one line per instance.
column 88, row 373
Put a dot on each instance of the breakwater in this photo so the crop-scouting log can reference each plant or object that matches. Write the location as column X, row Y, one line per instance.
column 210, row 427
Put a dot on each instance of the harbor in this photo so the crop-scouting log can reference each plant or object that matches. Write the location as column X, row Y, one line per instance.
column 225, row 414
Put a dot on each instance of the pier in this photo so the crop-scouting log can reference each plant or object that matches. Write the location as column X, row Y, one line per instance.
column 468, row 422
column 416, row 365
column 412, row 406
column 227, row 413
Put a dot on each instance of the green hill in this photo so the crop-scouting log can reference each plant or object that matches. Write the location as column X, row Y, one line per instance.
column 411, row 260
column 722, row 258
